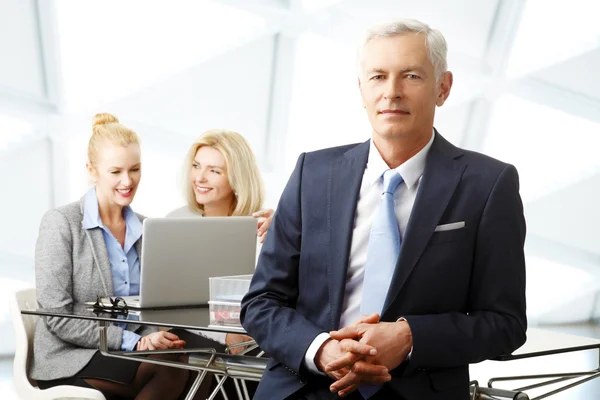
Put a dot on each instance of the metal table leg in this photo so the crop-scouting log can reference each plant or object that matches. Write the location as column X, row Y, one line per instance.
column 483, row 393
column 103, row 347
column 195, row 386
column 552, row 379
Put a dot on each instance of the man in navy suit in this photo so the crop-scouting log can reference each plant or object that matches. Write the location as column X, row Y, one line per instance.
column 455, row 293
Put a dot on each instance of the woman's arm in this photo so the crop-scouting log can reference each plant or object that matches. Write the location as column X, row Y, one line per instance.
column 54, row 284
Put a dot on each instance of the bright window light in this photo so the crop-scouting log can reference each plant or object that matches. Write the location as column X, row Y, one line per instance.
column 552, row 31
column 314, row 5
column 112, row 48
column 551, row 284
column 325, row 109
column 13, row 130
column 550, row 148
column 161, row 189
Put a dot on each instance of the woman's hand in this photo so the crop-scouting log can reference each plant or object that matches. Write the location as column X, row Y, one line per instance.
column 234, row 338
column 160, row 341
column 264, row 221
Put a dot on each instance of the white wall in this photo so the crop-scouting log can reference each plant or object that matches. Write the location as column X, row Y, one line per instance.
column 26, row 187
column 21, row 68
column 230, row 91
column 25, row 179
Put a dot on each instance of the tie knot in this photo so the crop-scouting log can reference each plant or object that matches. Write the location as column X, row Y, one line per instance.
column 391, row 180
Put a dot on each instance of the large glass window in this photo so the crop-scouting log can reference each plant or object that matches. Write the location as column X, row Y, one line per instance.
column 112, row 48
column 550, row 148
column 552, row 31
column 12, row 130
column 325, row 108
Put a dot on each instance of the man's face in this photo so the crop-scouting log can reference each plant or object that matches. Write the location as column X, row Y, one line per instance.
column 398, row 86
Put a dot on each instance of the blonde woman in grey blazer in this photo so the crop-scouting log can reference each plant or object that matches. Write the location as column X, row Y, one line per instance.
column 92, row 248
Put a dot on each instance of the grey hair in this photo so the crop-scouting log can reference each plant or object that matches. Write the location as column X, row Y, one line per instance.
column 437, row 48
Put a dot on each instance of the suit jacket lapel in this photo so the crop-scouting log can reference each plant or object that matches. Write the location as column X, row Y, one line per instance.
column 440, row 178
column 138, row 248
column 345, row 179
column 101, row 258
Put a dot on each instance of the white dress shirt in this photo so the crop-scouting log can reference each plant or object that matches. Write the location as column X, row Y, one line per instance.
column 369, row 200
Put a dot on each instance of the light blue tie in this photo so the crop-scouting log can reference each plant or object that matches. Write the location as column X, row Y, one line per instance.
column 382, row 256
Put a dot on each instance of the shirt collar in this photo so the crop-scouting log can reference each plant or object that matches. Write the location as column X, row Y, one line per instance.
column 91, row 214
column 134, row 227
column 410, row 171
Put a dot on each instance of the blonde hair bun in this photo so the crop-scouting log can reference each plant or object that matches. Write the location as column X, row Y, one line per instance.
column 103, row 119
column 106, row 127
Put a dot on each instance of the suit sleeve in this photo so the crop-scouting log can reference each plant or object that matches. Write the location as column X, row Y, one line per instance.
column 496, row 322
column 54, row 284
column 268, row 310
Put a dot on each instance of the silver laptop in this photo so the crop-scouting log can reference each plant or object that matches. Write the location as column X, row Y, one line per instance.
column 180, row 254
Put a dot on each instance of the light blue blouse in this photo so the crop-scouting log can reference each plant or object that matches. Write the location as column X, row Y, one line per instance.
column 124, row 261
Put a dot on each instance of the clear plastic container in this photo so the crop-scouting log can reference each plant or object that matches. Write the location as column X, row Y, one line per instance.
column 223, row 313
column 226, row 293
column 229, row 289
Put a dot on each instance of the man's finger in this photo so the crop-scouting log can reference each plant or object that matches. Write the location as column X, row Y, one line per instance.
column 352, row 346
column 339, row 374
column 347, row 360
column 345, row 382
column 347, row 391
column 364, row 368
column 350, row 332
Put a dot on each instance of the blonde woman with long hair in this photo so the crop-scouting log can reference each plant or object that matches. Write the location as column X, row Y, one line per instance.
column 222, row 179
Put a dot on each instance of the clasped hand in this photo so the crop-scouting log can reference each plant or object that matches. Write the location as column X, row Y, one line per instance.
column 364, row 353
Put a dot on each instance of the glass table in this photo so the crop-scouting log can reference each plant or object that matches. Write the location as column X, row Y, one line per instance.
column 242, row 367
column 239, row 367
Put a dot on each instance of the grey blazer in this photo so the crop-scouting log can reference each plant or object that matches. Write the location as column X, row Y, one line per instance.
column 71, row 266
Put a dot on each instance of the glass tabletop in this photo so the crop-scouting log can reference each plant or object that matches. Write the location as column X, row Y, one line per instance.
column 541, row 342
column 196, row 318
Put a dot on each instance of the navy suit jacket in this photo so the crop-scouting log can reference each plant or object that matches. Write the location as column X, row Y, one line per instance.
column 462, row 291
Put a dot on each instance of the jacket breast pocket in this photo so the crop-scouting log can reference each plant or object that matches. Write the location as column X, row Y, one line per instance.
column 448, row 236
